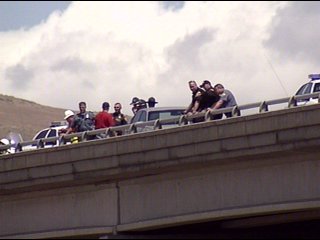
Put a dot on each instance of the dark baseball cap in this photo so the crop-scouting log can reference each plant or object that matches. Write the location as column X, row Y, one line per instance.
column 205, row 82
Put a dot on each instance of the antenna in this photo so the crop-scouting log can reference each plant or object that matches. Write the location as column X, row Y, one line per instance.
column 275, row 73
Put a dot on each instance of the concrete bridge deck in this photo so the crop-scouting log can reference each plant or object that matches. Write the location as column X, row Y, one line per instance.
column 236, row 168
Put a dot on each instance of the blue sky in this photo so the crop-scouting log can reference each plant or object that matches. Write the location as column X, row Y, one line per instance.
column 61, row 53
column 25, row 14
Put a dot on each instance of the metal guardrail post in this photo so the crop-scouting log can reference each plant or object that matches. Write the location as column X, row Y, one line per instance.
column 84, row 137
column 133, row 128
column 61, row 140
column 157, row 125
column 208, row 116
column 292, row 102
column 183, row 120
column 40, row 144
column 235, row 111
column 109, row 132
column 263, row 107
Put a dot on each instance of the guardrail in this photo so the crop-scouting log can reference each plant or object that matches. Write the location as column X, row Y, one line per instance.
column 156, row 124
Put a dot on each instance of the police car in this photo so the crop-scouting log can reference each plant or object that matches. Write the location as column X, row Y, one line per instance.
column 312, row 86
column 52, row 131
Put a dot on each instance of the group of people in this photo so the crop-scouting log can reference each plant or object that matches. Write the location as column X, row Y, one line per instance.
column 208, row 97
column 204, row 97
column 87, row 121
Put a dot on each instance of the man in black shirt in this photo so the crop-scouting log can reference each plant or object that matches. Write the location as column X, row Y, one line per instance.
column 195, row 106
column 196, row 98
column 209, row 98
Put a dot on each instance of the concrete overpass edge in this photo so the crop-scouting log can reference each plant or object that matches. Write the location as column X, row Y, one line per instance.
column 276, row 208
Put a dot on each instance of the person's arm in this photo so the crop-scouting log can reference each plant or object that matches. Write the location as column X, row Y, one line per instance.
column 217, row 105
column 198, row 99
column 188, row 108
column 195, row 106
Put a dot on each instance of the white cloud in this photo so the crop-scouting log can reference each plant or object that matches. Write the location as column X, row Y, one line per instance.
column 113, row 51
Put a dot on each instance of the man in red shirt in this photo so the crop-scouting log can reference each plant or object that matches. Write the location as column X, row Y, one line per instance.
column 103, row 118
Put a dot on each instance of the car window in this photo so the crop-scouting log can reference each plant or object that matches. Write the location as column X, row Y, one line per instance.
column 136, row 117
column 305, row 89
column 143, row 116
column 52, row 133
column 164, row 114
column 308, row 88
column 42, row 134
column 316, row 87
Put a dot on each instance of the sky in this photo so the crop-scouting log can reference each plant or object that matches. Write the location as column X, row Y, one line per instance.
column 61, row 53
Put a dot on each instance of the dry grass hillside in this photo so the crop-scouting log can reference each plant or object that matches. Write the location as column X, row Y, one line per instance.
column 25, row 117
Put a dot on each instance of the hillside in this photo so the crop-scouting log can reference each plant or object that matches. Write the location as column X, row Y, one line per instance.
column 25, row 117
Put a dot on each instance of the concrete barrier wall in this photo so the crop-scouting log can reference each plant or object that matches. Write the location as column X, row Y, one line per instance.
column 59, row 210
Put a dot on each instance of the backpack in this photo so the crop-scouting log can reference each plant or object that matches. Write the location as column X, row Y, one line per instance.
column 86, row 122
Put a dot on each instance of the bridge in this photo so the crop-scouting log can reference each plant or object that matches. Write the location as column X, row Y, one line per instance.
column 212, row 179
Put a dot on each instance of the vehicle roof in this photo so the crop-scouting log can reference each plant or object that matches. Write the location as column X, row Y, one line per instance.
column 156, row 109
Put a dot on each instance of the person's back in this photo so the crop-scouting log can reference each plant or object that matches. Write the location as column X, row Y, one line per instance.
column 228, row 99
column 104, row 118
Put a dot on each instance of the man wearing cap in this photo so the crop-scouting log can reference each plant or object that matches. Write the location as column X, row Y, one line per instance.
column 134, row 102
column 104, row 118
column 210, row 98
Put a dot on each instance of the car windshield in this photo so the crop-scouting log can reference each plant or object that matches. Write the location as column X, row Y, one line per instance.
column 164, row 114
column 305, row 89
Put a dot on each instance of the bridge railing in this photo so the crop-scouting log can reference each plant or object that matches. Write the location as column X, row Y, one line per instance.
column 157, row 124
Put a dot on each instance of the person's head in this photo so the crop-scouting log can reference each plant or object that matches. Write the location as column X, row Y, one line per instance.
column 117, row 107
column 69, row 115
column 152, row 102
column 134, row 101
column 206, row 85
column 193, row 86
column 105, row 106
column 219, row 88
column 82, row 107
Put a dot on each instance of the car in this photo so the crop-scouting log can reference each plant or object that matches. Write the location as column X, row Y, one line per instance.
column 154, row 113
column 312, row 86
column 51, row 131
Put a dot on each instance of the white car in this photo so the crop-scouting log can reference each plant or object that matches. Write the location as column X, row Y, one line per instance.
column 52, row 131
column 311, row 87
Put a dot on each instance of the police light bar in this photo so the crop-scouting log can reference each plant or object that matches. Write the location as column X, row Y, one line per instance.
column 58, row 123
column 314, row 76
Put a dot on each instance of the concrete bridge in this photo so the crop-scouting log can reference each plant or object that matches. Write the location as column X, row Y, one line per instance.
column 205, row 179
